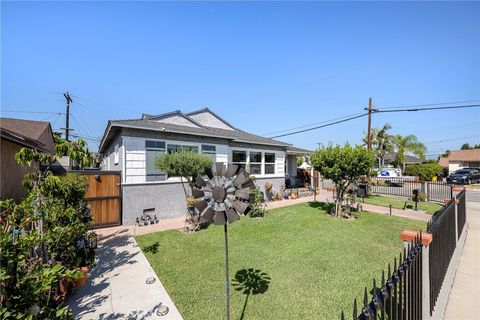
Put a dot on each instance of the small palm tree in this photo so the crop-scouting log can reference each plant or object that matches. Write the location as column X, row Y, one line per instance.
column 381, row 141
column 406, row 144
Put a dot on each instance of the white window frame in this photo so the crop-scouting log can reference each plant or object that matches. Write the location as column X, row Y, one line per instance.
column 154, row 149
column 248, row 162
column 270, row 163
column 116, row 156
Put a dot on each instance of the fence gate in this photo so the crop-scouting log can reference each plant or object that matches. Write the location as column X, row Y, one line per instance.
column 104, row 197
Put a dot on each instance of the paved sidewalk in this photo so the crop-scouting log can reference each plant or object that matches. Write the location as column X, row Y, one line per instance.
column 116, row 287
column 464, row 299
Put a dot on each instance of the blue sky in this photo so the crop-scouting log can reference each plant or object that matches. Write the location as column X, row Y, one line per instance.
column 264, row 67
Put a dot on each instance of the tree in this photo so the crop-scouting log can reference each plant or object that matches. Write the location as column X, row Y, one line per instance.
column 410, row 143
column 187, row 165
column 465, row 146
column 344, row 166
column 381, row 141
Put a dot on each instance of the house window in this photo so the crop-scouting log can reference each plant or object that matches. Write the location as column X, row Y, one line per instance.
column 239, row 158
column 154, row 149
column 116, row 157
column 255, row 166
column 269, row 163
column 210, row 150
column 171, row 148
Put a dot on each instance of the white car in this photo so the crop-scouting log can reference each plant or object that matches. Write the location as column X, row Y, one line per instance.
column 391, row 176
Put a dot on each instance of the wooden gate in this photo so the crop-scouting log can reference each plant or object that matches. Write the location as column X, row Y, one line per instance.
column 104, row 197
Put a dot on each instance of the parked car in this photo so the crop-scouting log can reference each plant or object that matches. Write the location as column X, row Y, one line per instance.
column 465, row 176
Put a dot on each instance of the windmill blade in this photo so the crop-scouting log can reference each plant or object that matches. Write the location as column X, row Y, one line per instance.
column 231, row 170
column 197, row 193
column 232, row 215
column 207, row 216
column 201, row 205
column 240, row 179
column 240, row 206
column 219, row 218
column 248, row 184
column 219, row 169
column 243, row 193
column 209, row 173
column 200, row 182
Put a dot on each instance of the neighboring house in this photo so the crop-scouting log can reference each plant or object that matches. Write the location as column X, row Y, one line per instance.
column 391, row 158
column 459, row 159
column 131, row 147
column 14, row 135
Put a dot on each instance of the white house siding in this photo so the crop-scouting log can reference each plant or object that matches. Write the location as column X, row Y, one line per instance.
column 454, row 166
column 109, row 156
column 178, row 120
column 135, row 170
column 209, row 120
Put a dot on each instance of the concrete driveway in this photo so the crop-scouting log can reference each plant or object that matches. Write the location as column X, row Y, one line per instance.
column 116, row 287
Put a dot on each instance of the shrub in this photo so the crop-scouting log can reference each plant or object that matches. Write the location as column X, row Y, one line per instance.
column 257, row 203
column 424, row 171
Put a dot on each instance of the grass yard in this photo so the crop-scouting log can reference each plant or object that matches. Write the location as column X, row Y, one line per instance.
column 398, row 202
column 316, row 263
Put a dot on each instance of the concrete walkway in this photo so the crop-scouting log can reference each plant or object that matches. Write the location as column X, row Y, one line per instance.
column 116, row 287
column 464, row 299
column 326, row 196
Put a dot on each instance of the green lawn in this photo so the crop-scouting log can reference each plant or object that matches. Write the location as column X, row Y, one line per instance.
column 316, row 263
column 399, row 202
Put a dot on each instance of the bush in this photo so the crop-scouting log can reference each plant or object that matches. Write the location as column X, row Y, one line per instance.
column 257, row 203
column 424, row 171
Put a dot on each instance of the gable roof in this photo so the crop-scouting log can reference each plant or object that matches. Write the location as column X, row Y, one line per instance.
column 193, row 114
column 147, row 122
column 460, row 155
column 171, row 115
column 26, row 133
column 389, row 157
column 28, row 128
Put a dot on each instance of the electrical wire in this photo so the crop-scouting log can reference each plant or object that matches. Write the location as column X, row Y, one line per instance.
column 37, row 112
column 322, row 126
column 427, row 109
column 309, row 125
column 429, row 104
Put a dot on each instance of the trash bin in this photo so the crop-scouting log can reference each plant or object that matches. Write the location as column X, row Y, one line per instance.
column 362, row 190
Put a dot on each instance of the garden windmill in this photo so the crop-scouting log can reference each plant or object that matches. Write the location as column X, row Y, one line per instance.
column 224, row 195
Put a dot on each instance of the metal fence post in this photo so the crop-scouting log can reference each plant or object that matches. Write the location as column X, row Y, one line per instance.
column 456, row 218
column 426, row 282
column 425, row 190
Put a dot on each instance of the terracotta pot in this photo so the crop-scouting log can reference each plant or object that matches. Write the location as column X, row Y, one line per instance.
column 80, row 282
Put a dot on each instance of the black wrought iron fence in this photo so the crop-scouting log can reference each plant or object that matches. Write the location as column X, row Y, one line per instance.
column 394, row 186
column 438, row 191
column 400, row 295
column 442, row 228
column 461, row 212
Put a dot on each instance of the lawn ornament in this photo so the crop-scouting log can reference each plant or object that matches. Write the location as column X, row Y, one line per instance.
column 224, row 195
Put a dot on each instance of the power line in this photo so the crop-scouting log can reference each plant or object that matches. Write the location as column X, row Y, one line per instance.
column 452, row 139
column 322, row 126
column 429, row 104
column 37, row 112
column 313, row 124
column 427, row 109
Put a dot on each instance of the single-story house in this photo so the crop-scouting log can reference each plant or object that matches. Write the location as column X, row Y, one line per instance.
column 391, row 158
column 14, row 135
column 131, row 146
column 459, row 159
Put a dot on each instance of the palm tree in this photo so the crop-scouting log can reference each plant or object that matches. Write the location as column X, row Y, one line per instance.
column 381, row 141
column 406, row 144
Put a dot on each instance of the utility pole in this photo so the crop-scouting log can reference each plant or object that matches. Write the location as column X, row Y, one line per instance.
column 369, row 138
column 67, row 114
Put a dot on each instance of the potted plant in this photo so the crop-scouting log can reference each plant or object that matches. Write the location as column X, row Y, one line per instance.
column 269, row 190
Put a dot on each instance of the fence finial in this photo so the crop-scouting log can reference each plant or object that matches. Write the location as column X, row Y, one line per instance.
column 355, row 312
column 365, row 297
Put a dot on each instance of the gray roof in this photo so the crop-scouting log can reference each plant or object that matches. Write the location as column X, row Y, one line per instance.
column 389, row 157
column 147, row 124
column 298, row 151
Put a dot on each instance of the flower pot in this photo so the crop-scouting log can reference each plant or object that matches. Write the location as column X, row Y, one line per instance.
column 80, row 282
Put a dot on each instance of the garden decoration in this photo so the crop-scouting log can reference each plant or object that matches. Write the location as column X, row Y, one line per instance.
column 224, row 196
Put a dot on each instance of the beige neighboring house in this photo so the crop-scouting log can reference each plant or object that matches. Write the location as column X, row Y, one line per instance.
column 459, row 159
column 14, row 135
